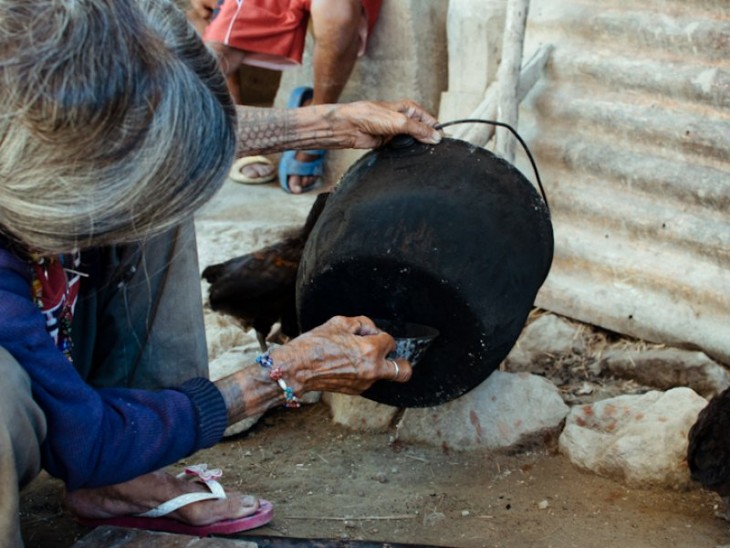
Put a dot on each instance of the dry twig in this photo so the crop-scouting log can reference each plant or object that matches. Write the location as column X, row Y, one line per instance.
column 352, row 518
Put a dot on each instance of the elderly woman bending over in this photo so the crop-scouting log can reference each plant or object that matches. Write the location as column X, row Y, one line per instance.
column 115, row 126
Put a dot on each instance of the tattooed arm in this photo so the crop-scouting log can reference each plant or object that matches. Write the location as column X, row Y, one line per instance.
column 362, row 124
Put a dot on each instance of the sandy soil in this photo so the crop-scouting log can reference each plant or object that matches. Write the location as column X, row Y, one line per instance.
column 329, row 482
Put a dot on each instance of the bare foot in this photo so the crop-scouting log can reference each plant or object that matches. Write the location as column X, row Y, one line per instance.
column 149, row 491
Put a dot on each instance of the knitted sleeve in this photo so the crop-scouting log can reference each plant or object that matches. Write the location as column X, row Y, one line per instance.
column 100, row 436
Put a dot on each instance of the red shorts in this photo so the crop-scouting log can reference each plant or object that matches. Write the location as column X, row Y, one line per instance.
column 272, row 32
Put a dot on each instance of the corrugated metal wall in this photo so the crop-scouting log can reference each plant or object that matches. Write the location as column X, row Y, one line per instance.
column 631, row 130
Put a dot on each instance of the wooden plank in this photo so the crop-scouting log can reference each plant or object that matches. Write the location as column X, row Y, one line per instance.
column 480, row 134
column 508, row 75
column 119, row 537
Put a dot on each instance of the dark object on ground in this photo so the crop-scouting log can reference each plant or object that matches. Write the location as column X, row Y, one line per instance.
column 708, row 453
column 258, row 288
column 284, row 542
column 448, row 236
column 122, row 537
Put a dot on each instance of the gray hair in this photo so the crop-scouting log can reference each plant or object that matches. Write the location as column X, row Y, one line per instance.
column 115, row 121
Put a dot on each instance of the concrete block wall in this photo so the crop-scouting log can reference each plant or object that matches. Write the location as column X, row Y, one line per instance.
column 474, row 31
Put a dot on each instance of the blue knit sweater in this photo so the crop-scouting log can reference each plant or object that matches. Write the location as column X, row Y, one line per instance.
column 100, row 436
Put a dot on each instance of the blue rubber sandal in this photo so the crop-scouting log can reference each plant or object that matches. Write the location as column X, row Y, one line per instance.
column 289, row 165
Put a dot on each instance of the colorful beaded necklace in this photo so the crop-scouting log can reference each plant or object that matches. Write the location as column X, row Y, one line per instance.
column 55, row 290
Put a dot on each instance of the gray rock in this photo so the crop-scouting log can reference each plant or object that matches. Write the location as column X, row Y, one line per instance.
column 666, row 368
column 640, row 440
column 359, row 413
column 224, row 333
column 507, row 411
column 545, row 339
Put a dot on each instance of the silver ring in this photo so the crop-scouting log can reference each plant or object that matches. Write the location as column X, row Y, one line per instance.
column 397, row 369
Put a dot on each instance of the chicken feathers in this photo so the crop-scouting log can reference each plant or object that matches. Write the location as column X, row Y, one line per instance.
column 259, row 288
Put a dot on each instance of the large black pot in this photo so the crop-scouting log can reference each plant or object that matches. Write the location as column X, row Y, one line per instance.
column 449, row 236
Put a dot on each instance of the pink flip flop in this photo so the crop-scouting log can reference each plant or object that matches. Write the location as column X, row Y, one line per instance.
column 154, row 519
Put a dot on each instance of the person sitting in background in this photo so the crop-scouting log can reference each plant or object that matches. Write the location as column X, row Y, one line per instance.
column 271, row 34
column 105, row 154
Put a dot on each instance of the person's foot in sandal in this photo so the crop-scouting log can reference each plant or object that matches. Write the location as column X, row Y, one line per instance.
column 301, row 183
column 153, row 501
column 301, row 170
column 253, row 170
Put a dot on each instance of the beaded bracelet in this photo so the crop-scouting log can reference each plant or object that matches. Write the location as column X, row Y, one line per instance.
column 265, row 360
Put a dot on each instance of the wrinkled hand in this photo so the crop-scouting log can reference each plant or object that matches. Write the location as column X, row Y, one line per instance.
column 372, row 124
column 203, row 8
column 344, row 355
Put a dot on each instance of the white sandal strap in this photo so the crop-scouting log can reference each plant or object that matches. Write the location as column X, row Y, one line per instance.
column 178, row 502
column 197, row 473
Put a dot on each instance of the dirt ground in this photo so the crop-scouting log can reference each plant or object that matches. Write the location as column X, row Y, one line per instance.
column 329, row 482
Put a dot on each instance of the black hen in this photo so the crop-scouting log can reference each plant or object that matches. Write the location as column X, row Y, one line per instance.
column 708, row 453
column 259, row 288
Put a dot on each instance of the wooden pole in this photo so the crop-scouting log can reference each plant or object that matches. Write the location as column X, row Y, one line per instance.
column 508, row 75
column 480, row 134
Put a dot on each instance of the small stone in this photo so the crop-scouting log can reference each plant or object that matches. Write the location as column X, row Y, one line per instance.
column 543, row 504
column 350, row 524
column 433, row 518
column 381, row 477
column 465, row 513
